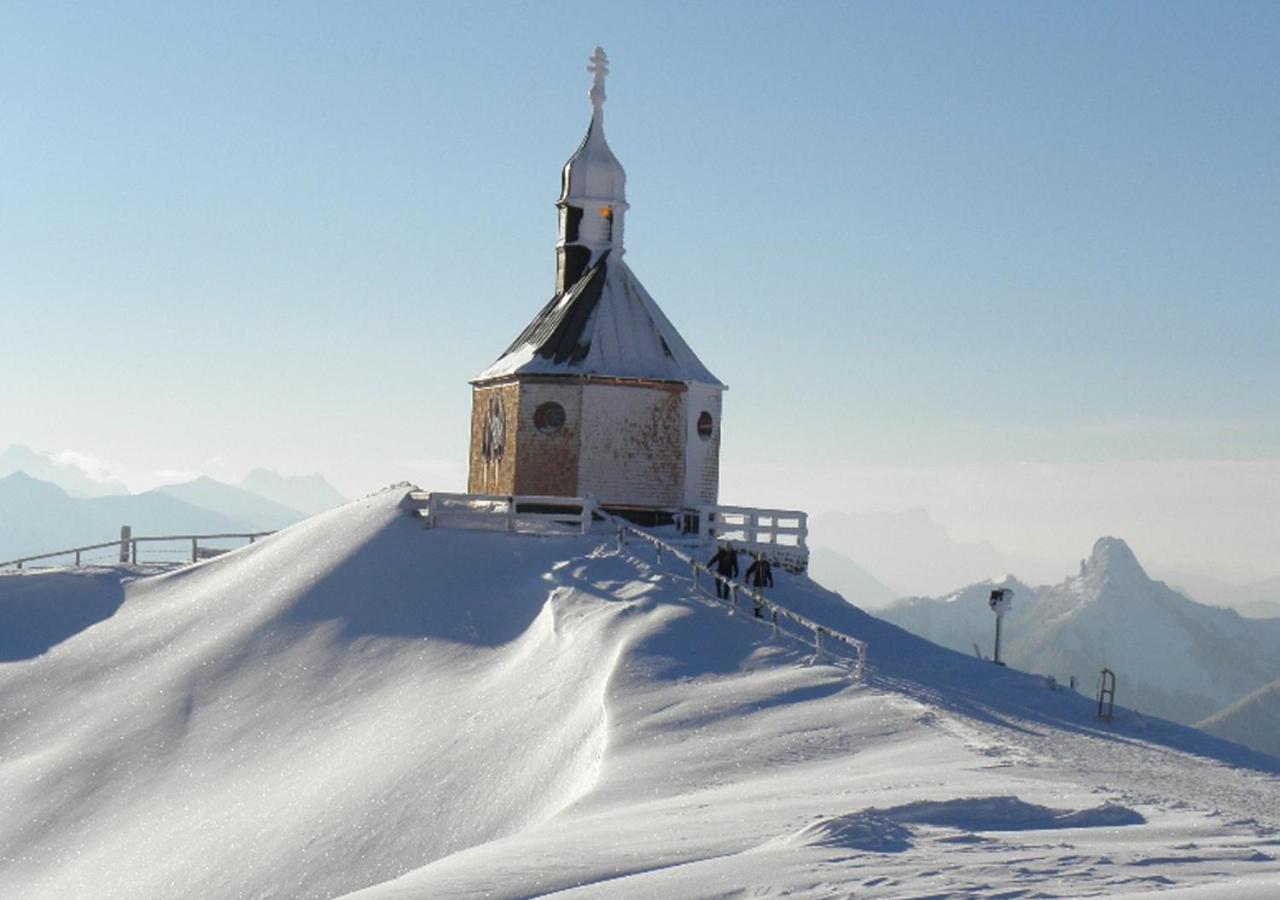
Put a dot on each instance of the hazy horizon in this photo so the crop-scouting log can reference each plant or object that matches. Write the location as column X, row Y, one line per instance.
column 1010, row 265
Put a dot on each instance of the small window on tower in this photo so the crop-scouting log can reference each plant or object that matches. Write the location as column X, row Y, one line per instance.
column 706, row 426
column 606, row 213
column 572, row 219
column 548, row 417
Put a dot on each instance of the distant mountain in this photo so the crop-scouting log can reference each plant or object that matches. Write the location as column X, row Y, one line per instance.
column 38, row 517
column 1260, row 600
column 842, row 575
column 1173, row 657
column 310, row 494
column 907, row 551
column 1257, row 600
column 47, row 467
column 235, row 503
column 1253, row 720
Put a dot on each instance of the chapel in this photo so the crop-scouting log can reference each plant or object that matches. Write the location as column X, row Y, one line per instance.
column 599, row 395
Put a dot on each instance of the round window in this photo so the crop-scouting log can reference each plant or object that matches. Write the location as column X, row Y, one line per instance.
column 706, row 426
column 548, row 417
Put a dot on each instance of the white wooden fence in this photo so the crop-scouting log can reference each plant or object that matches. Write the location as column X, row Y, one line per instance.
column 495, row 512
column 821, row 637
column 780, row 534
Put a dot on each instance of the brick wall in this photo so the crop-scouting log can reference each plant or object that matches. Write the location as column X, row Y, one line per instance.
column 493, row 476
column 632, row 447
column 626, row 444
column 547, row 463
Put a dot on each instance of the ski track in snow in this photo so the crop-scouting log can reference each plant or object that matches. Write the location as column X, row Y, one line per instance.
column 358, row 705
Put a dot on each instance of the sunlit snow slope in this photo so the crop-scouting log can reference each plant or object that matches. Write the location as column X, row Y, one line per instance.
column 359, row 703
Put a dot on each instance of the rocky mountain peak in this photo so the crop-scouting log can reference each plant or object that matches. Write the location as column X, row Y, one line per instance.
column 1112, row 560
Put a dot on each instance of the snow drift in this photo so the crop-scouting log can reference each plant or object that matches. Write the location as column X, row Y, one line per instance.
column 356, row 703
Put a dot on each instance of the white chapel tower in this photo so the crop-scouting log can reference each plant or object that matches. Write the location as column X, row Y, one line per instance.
column 599, row 395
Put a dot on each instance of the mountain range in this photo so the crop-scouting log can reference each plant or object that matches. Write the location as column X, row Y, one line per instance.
column 62, row 472
column 39, row 515
column 1172, row 656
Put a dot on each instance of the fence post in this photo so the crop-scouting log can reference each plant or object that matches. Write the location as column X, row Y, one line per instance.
column 125, row 533
column 77, row 559
column 817, row 639
column 134, row 545
column 195, row 553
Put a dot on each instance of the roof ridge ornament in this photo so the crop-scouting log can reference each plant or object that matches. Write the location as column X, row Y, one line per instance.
column 598, row 65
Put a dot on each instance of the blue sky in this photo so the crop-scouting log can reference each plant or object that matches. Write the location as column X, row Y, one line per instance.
column 905, row 234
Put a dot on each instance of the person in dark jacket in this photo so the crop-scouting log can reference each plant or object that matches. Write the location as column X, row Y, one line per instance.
column 759, row 574
column 725, row 564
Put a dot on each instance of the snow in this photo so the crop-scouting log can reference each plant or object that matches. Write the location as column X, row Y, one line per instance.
column 359, row 705
column 625, row 335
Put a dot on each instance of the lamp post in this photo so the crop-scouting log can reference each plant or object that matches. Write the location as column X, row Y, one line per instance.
column 1001, row 602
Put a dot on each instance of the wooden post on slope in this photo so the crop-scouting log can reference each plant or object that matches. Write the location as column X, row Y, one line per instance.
column 125, row 533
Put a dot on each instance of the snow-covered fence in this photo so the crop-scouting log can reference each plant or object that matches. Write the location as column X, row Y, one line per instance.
column 495, row 512
column 764, row 610
column 778, row 533
column 128, row 548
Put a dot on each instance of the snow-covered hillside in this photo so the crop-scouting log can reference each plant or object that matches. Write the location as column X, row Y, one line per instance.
column 356, row 703
column 1253, row 720
column 1173, row 657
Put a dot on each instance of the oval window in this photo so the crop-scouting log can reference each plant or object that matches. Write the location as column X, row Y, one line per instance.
column 706, row 426
column 548, row 417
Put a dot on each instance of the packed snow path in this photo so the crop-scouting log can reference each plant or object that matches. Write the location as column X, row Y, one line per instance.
column 355, row 703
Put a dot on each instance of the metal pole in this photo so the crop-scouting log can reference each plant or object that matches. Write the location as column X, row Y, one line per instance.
column 999, row 621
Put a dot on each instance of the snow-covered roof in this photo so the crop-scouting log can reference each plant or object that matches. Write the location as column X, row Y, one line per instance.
column 605, row 325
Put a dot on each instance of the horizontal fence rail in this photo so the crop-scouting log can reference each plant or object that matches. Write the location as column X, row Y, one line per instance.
column 766, row 611
column 781, row 534
column 127, row 545
column 537, row 514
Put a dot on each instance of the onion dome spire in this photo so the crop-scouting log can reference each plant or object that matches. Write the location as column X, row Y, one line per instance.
column 593, row 195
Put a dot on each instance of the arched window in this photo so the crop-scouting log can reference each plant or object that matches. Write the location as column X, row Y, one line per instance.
column 493, row 442
column 572, row 219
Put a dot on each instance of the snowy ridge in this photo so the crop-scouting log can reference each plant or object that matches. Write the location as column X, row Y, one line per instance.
column 355, row 703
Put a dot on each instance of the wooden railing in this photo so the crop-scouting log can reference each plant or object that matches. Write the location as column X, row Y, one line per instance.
column 128, row 547
column 781, row 534
column 497, row 512
column 764, row 610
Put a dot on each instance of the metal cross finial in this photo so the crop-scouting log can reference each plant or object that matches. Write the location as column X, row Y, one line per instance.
column 599, row 67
